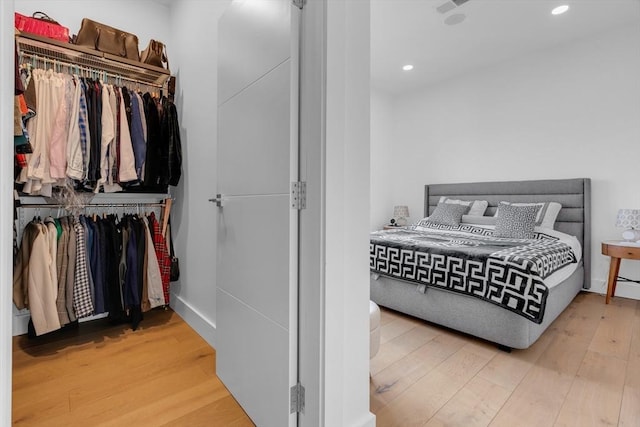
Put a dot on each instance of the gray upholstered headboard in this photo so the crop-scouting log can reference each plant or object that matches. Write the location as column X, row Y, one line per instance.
column 574, row 195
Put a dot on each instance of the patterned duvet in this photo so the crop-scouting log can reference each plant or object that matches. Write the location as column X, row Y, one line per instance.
column 469, row 260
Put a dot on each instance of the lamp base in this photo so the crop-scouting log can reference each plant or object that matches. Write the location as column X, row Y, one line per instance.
column 403, row 221
column 631, row 235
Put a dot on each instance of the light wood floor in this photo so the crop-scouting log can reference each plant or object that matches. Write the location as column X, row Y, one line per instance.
column 162, row 374
column 583, row 371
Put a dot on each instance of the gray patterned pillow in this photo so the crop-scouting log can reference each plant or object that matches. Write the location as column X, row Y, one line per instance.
column 448, row 213
column 516, row 222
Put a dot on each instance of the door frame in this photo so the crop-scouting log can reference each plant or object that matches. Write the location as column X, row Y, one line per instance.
column 6, row 209
column 334, row 267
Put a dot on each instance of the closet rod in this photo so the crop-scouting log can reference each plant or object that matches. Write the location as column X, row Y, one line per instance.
column 85, row 69
column 89, row 206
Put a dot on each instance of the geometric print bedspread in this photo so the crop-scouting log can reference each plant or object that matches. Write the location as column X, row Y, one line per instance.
column 505, row 272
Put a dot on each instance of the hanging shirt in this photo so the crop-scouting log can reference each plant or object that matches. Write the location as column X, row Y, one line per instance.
column 127, row 166
column 85, row 135
column 60, row 133
column 137, row 136
column 82, row 303
column 75, row 161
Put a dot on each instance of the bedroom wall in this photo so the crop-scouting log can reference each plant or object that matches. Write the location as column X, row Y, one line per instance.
column 566, row 112
column 382, row 146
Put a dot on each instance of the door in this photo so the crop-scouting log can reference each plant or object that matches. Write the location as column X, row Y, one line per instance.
column 257, row 247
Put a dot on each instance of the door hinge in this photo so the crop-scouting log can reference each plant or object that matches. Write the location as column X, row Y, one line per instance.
column 299, row 3
column 298, row 195
column 297, row 398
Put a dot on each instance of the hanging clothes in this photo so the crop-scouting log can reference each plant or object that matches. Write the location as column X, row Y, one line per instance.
column 72, row 267
column 100, row 136
column 33, row 280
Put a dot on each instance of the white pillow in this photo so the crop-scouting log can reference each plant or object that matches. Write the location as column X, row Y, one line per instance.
column 478, row 220
column 477, row 206
column 547, row 214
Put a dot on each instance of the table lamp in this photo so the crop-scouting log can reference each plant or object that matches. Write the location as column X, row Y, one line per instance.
column 629, row 219
column 400, row 214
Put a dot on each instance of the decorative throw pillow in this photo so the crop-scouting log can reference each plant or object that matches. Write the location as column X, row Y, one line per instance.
column 448, row 213
column 515, row 222
column 547, row 212
column 477, row 207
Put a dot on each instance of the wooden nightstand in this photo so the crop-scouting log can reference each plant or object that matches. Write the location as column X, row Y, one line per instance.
column 617, row 250
column 393, row 227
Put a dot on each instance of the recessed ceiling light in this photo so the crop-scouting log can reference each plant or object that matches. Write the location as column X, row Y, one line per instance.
column 407, row 67
column 560, row 10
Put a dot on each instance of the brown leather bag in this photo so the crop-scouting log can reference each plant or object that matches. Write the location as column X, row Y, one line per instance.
column 107, row 39
column 155, row 54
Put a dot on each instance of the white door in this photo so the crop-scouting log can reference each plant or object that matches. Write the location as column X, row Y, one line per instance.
column 257, row 276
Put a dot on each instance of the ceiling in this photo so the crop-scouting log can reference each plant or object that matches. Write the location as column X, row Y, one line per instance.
column 414, row 32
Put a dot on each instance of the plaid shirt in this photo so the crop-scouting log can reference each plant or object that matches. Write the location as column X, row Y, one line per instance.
column 83, row 122
column 82, row 303
column 164, row 261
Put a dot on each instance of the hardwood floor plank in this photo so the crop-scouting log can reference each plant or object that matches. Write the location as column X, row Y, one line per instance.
column 630, row 407
column 391, row 381
column 613, row 335
column 159, row 374
column 424, row 398
column 400, row 325
column 400, row 346
column 224, row 412
column 474, row 405
column 175, row 406
column 575, row 374
column 596, row 393
column 538, row 398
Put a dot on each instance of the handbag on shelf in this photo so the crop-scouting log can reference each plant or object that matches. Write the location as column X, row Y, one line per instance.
column 155, row 54
column 41, row 24
column 107, row 39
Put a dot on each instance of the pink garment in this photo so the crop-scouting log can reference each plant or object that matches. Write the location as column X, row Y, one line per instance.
column 60, row 134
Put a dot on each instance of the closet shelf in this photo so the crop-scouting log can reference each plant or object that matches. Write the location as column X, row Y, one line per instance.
column 70, row 54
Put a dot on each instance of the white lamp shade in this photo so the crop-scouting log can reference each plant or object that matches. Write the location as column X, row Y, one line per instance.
column 400, row 214
column 628, row 218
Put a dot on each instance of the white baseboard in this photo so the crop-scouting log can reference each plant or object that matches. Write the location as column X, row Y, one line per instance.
column 21, row 321
column 623, row 289
column 368, row 420
column 203, row 326
column 20, row 324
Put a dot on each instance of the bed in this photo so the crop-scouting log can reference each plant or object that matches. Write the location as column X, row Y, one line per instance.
column 512, row 324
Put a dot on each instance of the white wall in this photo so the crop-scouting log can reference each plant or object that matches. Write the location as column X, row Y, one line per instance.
column 568, row 112
column 383, row 145
column 194, row 218
column 145, row 18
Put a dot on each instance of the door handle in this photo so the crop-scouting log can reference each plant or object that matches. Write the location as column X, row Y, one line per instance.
column 217, row 200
